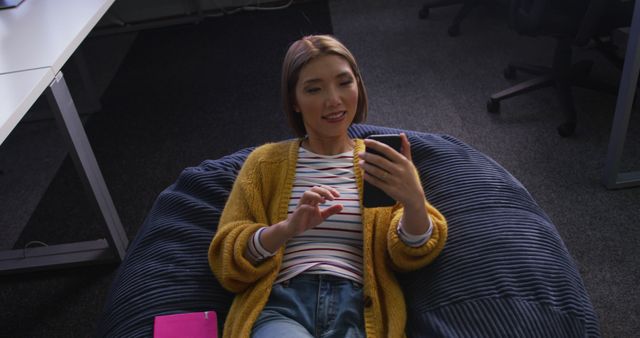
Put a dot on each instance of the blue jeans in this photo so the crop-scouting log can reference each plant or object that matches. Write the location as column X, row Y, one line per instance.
column 309, row 305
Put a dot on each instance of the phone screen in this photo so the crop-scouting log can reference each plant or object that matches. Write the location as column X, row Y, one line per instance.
column 374, row 196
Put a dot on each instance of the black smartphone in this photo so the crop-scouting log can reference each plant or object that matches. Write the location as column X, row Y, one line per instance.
column 374, row 196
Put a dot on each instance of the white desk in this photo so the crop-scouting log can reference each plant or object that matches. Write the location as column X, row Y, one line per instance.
column 37, row 38
column 18, row 92
column 44, row 33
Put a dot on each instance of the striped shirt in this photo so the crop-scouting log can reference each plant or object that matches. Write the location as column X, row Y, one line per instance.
column 335, row 246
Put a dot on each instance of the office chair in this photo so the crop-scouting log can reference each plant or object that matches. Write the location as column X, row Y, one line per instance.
column 570, row 23
column 454, row 29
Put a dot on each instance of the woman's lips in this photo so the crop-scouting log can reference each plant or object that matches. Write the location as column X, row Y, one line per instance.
column 335, row 117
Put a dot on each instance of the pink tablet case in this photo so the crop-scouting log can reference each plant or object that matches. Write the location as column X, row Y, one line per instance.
column 186, row 325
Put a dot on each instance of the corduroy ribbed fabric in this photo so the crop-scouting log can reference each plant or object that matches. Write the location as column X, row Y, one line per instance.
column 504, row 271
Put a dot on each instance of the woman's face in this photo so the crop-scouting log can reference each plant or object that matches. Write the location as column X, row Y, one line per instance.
column 327, row 96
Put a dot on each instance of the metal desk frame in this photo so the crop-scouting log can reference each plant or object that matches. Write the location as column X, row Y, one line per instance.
column 33, row 57
column 113, row 248
column 613, row 179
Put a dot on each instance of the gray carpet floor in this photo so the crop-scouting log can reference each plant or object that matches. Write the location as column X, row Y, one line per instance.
column 421, row 79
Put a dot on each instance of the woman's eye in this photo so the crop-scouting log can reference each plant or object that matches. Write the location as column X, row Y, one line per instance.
column 346, row 82
column 312, row 90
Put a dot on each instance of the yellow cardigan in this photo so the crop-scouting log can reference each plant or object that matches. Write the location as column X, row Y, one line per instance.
column 259, row 198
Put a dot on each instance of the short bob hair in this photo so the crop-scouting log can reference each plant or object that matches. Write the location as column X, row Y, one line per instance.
column 299, row 54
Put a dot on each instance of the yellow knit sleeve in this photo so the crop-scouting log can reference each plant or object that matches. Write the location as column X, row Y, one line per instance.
column 406, row 258
column 243, row 215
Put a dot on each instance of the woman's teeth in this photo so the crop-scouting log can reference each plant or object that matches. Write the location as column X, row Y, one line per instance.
column 335, row 116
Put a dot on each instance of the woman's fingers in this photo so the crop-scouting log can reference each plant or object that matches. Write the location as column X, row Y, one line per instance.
column 310, row 197
column 375, row 171
column 326, row 191
column 406, row 146
column 330, row 211
column 393, row 163
column 308, row 213
column 388, row 162
column 394, row 174
column 318, row 195
column 387, row 152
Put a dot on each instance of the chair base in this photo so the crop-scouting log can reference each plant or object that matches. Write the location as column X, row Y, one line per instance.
column 454, row 29
column 562, row 75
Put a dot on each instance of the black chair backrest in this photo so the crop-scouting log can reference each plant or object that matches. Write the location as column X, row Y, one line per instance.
column 547, row 17
column 580, row 20
column 525, row 16
column 603, row 16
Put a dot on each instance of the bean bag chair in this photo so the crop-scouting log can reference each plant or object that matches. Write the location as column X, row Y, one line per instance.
column 504, row 272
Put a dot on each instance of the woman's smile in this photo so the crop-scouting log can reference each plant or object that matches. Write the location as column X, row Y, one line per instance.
column 335, row 117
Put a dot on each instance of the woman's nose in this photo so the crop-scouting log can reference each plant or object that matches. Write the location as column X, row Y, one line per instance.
column 333, row 97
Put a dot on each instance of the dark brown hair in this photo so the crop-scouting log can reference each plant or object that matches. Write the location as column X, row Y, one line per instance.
column 302, row 52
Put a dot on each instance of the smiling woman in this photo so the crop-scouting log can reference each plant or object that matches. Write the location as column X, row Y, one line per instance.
column 307, row 50
column 294, row 228
column 326, row 96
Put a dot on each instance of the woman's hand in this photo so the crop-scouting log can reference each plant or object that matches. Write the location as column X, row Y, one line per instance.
column 395, row 175
column 306, row 216
column 308, row 213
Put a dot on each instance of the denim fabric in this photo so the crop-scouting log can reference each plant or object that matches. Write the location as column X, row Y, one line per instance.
column 310, row 305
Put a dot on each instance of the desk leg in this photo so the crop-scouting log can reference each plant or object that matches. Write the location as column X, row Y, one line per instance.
column 90, row 89
column 70, row 254
column 612, row 178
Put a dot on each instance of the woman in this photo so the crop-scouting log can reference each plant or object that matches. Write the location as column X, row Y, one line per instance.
column 293, row 242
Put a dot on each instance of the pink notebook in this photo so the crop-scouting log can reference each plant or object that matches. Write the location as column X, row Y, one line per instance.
column 186, row 325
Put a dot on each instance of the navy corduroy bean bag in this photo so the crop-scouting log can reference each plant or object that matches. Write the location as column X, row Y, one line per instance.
column 504, row 272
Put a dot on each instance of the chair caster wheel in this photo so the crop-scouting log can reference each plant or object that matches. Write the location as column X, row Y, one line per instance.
column 509, row 73
column 453, row 31
column 567, row 129
column 493, row 106
column 424, row 13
